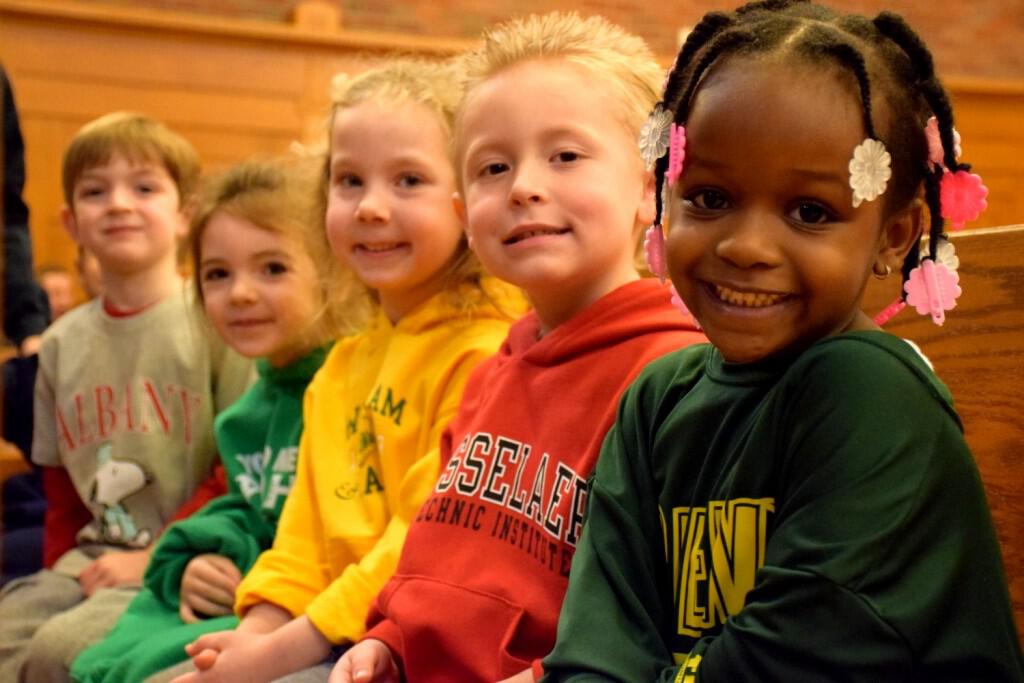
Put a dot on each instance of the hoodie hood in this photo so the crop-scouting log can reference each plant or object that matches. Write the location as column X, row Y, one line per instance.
column 635, row 309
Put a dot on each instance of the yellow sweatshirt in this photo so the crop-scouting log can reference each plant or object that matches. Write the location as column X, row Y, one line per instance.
column 368, row 458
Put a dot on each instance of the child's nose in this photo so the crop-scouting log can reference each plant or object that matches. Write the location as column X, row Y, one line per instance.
column 527, row 186
column 242, row 290
column 748, row 242
column 120, row 197
column 372, row 207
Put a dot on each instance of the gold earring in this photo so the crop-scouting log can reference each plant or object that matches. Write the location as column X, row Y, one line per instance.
column 881, row 275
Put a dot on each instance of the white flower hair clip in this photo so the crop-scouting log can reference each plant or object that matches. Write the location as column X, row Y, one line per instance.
column 654, row 135
column 870, row 170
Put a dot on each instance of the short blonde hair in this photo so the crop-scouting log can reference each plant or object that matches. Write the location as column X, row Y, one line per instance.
column 438, row 87
column 137, row 137
column 615, row 58
column 277, row 195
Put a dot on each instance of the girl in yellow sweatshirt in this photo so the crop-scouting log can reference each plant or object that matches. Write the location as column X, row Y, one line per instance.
column 375, row 411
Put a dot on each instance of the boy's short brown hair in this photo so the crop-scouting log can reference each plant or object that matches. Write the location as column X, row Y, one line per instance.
column 137, row 137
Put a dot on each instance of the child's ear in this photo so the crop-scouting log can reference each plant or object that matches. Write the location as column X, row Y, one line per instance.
column 67, row 219
column 899, row 234
column 645, row 212
column 187, row 212
column 460, row 210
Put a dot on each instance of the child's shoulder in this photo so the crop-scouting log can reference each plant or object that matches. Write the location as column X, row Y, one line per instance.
column 869, row 366
column 74, row 321
column 677, row 370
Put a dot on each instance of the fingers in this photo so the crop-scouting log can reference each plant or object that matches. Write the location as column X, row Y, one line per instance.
column 209, row 583
column 94, row 577
column 202, row 607
column 186, row 613
column 114, row 569
column 227, row 567
column 210, row 641
column 369, row 661
column 205, row 659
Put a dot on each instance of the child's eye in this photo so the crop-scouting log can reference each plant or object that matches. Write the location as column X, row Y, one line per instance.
column 275, row 268
column 213, row 274
column 497, row 168
column 90, row 191
column 145, row 188
column 811, row 213
column 707, row 200
column 410, row 180
column 347, row 180
column 566, row 157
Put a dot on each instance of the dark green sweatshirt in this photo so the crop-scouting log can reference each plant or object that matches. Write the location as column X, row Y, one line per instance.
column 815, row 520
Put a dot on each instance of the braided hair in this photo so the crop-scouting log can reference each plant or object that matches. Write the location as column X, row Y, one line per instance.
column 886, row 57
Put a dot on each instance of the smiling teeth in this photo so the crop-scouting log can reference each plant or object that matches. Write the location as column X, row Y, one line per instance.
column 379, row 247
column 536, row 233
column 747, row 299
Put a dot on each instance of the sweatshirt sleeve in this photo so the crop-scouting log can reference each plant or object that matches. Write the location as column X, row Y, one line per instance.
column 227, row 526
column 66, row 514
column 340, row 611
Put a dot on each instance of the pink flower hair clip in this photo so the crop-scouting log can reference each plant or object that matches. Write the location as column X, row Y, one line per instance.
column 680, row 305
column 934, row 286
column 962, row 196
column 676, row 153
column 654, row 250
column 936, row 153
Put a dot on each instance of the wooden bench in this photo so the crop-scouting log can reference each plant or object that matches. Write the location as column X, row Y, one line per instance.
column 979, row 354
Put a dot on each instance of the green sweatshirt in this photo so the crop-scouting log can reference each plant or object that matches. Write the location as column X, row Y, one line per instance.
column 258, row 439
column 820, row 519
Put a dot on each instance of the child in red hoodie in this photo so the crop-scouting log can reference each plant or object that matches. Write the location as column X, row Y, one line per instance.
column 555, row 197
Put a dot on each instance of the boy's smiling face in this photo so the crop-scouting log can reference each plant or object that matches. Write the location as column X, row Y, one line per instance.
column 127, row 213
column 553, row 185
column 764, row 244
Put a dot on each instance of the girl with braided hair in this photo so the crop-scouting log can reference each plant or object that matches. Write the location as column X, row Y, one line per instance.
column 794, row 501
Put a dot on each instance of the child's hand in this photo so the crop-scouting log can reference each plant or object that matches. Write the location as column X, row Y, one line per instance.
column 368, row 661
column 121, row 568
column 208, row 587
column 525, row 676
column 206, row 652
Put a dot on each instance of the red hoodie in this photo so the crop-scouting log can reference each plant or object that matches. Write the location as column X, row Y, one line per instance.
column 486, row 561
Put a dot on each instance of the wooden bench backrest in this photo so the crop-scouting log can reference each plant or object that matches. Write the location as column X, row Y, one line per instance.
column 979, row 354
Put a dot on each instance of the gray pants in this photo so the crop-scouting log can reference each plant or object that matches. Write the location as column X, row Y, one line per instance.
column 46, row 620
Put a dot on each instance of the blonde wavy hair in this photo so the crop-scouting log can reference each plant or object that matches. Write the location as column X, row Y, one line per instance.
column 438, row 87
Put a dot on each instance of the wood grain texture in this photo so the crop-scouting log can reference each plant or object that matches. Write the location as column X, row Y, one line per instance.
column 979, row 354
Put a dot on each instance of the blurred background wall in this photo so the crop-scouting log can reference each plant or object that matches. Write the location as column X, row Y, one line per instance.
column 242, row 77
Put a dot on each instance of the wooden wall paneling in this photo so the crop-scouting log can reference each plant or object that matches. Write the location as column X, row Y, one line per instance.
column 979, row 354
column 238, row 87
column 233, row 87
column 989, row 115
